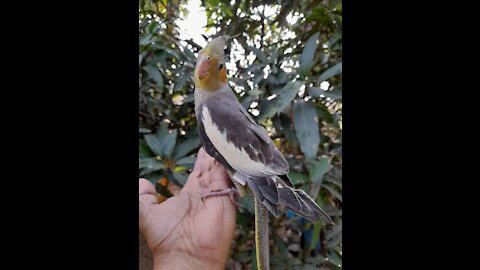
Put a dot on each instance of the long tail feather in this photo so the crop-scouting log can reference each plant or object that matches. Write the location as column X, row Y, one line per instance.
column 261, row 234
column 272, row 191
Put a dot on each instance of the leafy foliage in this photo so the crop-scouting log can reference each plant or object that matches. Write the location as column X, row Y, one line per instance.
column 285, row 65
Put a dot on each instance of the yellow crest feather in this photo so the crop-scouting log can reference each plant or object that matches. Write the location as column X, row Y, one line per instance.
column 215, row 47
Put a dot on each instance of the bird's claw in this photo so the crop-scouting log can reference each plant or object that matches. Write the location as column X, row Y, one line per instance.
column 231, row 192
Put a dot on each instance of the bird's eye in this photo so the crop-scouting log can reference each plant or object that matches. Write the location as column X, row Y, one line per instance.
column 221, row 66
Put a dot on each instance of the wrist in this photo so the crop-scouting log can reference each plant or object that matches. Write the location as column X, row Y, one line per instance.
column 181, row 260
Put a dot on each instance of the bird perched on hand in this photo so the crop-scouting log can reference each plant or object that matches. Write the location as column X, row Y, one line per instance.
column 232, row 137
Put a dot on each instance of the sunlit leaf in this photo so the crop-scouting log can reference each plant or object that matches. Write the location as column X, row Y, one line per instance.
column 259, row 54
column 283, row 98
column 334, row 94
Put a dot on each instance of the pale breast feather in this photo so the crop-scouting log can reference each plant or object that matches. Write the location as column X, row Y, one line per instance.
column 235, row 138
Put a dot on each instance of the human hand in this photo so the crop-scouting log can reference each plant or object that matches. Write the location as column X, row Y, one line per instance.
column 185, row 232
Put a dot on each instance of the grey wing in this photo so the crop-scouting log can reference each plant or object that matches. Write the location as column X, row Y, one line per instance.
column 244, row 145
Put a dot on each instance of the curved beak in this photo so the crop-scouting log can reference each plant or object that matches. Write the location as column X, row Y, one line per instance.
column 203, row 68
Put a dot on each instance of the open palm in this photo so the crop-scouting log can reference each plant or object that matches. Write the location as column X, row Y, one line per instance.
column 185, row 232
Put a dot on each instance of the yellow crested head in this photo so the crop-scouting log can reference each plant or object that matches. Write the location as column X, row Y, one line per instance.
column 210, row 71
column 215, row 47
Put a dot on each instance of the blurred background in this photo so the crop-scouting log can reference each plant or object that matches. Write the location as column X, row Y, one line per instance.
column 285, row 66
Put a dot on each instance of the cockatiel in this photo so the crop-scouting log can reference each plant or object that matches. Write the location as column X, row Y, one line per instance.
column 232, row 137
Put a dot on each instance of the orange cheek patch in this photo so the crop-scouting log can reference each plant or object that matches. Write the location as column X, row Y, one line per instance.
column 223, row 75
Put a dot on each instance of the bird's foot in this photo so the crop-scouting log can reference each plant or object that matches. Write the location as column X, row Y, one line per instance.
column 231, row 192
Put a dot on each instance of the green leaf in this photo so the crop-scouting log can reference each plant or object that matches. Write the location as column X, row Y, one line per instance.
column 246, row 101
column 315, row 260
column 255, row 92
column 163, row 142
column 180, row 178
column 306, row 126
column 149, row 165
column 180, row 82
column 282, row 247
column 253, row 258
column 145, row 40
column 242, row 256
column 154, row 73
column 153, row 27
column 334, row 258
column 308, row 267
column 283, row 98
column 247, row 203
column 186, row 161
column 294, row 261
column 297, row 178
column 144, row 130
column 315, row 235
column 335, row 70
column 318, row 169
column 283, row 124
column 275, row 79
column 333, row 180
column 254, row 67
column 258, row 77
column 154, row 143
column 335, row 37
column 143, row 150
column 335, row 94
column 277, row 262
column 153, row 177
column 189, row 98
column 334, row 236
column 168, row 138
column 333, row 191
column 171, row 52
column 260, row 54
column 323, row 113
column 186, row 147
column 308, row 55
